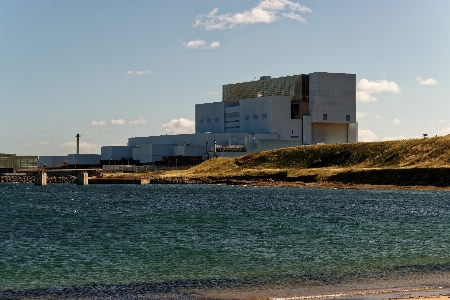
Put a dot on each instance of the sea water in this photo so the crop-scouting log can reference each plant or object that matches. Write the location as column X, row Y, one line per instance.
column 217, row 241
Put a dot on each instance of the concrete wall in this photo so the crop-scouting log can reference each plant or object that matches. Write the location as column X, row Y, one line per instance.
column 329, row 133
column 332, row 97
column 264, row 145
column 83, row 159
column 190, row 150
column 210, row 117
column 116, row 152
column 256, row 115
column 196, row 139
column 282, row 124
column 307, row 130
column 353, row 133
column 153, row 152
column 52, row 161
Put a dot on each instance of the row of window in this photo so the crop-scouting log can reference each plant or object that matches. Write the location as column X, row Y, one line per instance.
column 264, row 116
column 347, row 117
column 255, row 117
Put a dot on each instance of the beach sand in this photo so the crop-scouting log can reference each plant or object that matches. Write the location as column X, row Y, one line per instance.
column 434, row 286
column 439, row 297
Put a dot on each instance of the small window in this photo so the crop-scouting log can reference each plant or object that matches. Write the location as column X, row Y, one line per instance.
column 264, row 116
column 247, row 117
column 347, row 118
column 255, row 117
column 208, row 120
column 217, row 119
column 325, row 117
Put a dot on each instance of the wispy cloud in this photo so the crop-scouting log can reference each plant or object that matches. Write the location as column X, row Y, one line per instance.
column 139, row 73
column 85, row 147
column 37, row 144
column 396, row 121
column 438, row 121
column 178, row 126
column 99, row 123
column 443, row 131
column 429, row 81
column 139, row 121
column 366, row 136
column 361, row 115
column 201, row 44
column 267, row 11
column 118, row 122
column 366, row 88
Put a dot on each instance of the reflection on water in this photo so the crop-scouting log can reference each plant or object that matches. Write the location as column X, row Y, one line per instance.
column 220, row 242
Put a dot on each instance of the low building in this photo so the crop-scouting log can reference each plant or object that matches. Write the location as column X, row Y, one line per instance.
column 11, row 162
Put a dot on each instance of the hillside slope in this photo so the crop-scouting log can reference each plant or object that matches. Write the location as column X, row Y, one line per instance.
column 415, row 161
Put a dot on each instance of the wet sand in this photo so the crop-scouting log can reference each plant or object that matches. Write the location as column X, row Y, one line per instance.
column 434, row 286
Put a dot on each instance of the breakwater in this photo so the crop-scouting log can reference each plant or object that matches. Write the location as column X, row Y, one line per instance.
column 439, row 177
column 31, row 179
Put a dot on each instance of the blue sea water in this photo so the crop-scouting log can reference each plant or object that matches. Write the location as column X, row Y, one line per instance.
column 216, row 241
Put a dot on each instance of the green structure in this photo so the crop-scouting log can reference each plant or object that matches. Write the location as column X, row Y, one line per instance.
column 12, row 161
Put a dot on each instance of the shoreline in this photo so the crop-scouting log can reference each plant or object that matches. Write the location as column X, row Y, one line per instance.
column 240, row 182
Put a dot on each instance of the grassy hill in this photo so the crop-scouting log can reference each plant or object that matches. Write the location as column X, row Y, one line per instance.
column 415, row 161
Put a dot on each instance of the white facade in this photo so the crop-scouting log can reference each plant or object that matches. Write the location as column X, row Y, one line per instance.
column 281, row 112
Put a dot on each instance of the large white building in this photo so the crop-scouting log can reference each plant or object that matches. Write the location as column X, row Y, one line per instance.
column 258, row 115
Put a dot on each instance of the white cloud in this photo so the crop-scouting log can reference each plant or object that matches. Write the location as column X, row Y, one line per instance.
column 395, row 138
column 99, row 123
column 138, row 73
column 366, row 136
column 292, row 15
column 377, row 117
column 443, row 131
column 429, row 81
column 118, row 122
column 178, row 126
column 215, row 45
column 201, row 44
column 140, row 120
column 396, row 121
column 267, row 11
column 361, row 115
column 438, row 121
column 71, row 147
column 37, row 144
column 366, row 88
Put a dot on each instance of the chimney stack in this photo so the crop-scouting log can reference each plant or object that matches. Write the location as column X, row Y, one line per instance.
column 78, row 143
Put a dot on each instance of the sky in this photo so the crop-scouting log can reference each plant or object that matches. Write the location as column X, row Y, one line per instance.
column 110, row 70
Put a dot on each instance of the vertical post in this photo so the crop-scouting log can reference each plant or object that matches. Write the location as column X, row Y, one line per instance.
column 40, row 179
column 206, row 151
column 82, row 178
column 78, row 143
column 215, row 155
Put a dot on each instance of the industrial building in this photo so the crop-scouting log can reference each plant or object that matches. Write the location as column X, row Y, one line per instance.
column 11, row 162
column 254, row 116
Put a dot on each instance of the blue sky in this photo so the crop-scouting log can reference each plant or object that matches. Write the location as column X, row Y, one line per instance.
column 110, row 70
